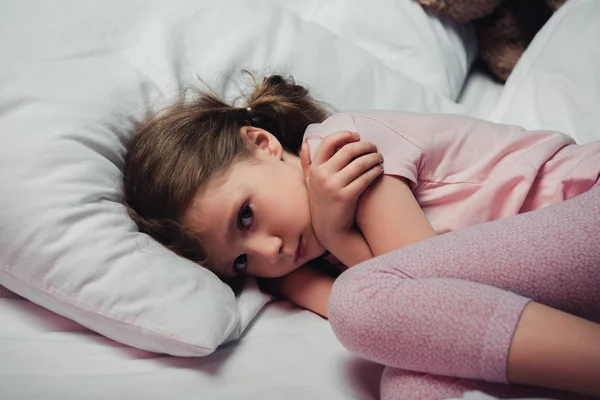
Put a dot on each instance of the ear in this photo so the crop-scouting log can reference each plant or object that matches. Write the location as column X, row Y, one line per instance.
column 263, row 141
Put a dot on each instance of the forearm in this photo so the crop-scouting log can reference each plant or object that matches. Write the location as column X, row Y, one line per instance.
column 351, row 248
column 307, row 287
column 390, row 218
column 554, row 349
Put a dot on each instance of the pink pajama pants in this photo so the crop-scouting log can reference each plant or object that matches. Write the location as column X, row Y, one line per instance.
column 440, row 314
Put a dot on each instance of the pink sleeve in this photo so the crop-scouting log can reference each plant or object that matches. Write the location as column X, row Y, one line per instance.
column 402, row 155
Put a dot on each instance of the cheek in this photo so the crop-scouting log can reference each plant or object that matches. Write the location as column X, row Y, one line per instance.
column 301, row 204
column 293, row 196
column 300, row 189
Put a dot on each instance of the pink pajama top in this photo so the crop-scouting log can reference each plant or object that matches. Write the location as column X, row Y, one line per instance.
column 402, row 309
column 465, row 171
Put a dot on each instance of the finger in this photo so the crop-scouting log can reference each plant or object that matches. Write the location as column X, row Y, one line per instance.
column 305, row 161
column 305, row 158
column 331, row 143
column 350, row 152
column 358, row 186
column 358, row 167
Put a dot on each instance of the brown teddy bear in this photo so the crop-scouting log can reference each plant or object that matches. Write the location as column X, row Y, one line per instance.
column 504, row 28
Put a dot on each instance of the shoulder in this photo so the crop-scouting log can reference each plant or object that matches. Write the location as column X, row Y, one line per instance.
column 349, row 120
column 383, row 128
column 402, row 123
column 391, row 131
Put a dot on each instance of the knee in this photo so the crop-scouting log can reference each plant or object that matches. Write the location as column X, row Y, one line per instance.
column 349, row 306
column 343, row 293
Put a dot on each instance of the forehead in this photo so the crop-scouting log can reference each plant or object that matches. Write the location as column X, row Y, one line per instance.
column 217, row 196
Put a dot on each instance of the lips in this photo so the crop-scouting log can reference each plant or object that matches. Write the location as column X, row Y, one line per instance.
column 299, row 251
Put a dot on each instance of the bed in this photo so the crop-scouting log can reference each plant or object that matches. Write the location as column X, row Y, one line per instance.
column 278, row 351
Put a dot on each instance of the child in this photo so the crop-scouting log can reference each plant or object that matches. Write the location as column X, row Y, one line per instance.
column 225, row 186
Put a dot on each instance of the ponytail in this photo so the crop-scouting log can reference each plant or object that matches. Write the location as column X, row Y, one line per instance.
column 284, row 109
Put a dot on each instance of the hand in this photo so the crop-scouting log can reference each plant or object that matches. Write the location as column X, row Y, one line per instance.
column 342, row 168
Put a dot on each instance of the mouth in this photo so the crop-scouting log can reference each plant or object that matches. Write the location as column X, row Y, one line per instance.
column 299, row 251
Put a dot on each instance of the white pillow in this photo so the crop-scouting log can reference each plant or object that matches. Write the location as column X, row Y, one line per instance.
column 74, row 76
column 435, row 52
column 556, row 83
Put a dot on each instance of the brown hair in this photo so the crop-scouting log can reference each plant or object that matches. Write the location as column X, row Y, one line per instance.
column 174, row 154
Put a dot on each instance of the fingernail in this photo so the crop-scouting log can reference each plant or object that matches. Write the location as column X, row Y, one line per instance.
column 356, row 135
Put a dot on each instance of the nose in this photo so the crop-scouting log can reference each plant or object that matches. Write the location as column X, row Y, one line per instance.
column 268, row 247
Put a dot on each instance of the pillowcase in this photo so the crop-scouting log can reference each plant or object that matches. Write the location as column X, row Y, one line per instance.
column 435, row 52
column 74, row 78
column 555, row 85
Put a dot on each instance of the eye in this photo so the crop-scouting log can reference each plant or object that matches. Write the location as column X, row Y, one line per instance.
column 240, row 264
column 245, row 217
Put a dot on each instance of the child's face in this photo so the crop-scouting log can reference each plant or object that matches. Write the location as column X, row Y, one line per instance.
column 256, row 218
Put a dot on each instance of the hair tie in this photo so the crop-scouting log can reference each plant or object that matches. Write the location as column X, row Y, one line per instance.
column 258, row 120
column 247, row 117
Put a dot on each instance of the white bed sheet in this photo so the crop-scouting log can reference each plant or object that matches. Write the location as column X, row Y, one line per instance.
column 286, row 353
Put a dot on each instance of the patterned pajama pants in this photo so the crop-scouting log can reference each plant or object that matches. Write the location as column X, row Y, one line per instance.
column 440, row 314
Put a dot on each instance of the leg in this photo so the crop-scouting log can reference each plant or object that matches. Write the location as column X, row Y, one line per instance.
column 450, row 305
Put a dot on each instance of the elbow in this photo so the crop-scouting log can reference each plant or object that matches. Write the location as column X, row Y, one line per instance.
column 373, row 314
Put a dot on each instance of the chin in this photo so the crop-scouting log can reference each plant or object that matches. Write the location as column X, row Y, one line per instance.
column 295, row 268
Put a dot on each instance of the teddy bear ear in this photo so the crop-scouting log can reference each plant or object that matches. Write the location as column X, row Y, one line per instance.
column 461, row 10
